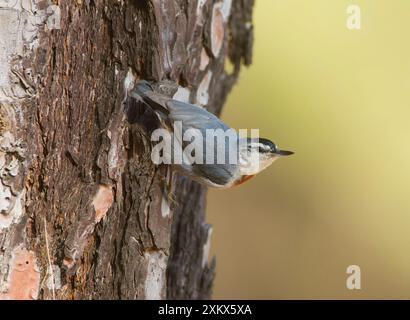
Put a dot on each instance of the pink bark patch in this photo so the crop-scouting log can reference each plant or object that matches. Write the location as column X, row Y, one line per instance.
column 102, row 202
column 24, row 277
column 217, row 31
column 204, row 60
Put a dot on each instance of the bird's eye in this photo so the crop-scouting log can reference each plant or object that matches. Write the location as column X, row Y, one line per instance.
column 264, row 149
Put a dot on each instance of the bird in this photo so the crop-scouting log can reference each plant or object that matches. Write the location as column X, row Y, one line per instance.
column 254, row 154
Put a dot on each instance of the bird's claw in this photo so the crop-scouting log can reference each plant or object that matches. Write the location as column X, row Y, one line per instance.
column 172, row 200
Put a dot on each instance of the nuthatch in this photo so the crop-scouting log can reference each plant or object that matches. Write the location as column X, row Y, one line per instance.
column 254, row 155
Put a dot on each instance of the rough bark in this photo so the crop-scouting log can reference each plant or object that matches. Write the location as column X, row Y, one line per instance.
column 82, row 208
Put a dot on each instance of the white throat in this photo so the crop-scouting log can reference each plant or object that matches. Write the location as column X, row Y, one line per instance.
column 253, row 162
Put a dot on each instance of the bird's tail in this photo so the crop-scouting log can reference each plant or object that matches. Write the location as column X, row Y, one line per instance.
column 144, row 93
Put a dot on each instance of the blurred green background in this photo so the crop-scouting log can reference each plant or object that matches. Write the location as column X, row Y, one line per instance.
column 341, row 100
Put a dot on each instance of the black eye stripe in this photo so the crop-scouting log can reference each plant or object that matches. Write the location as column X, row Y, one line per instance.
column 262, row 146
column 263, row 150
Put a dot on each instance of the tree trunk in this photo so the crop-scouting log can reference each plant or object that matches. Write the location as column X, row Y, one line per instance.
column 82, row 208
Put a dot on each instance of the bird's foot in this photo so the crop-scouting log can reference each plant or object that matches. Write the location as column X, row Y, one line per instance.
column 172, row 200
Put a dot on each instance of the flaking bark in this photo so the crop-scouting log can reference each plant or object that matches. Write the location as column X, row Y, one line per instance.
column 87, row 218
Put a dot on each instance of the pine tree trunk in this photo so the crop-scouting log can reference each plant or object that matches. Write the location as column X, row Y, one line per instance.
column 82, row 208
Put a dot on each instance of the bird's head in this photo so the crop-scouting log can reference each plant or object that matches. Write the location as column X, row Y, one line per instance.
column 256, row 154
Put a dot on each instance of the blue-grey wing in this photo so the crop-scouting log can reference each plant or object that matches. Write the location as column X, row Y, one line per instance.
column 193, row 116
column 220, row 174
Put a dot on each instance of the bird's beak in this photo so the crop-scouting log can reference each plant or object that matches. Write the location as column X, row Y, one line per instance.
column 283, row 153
